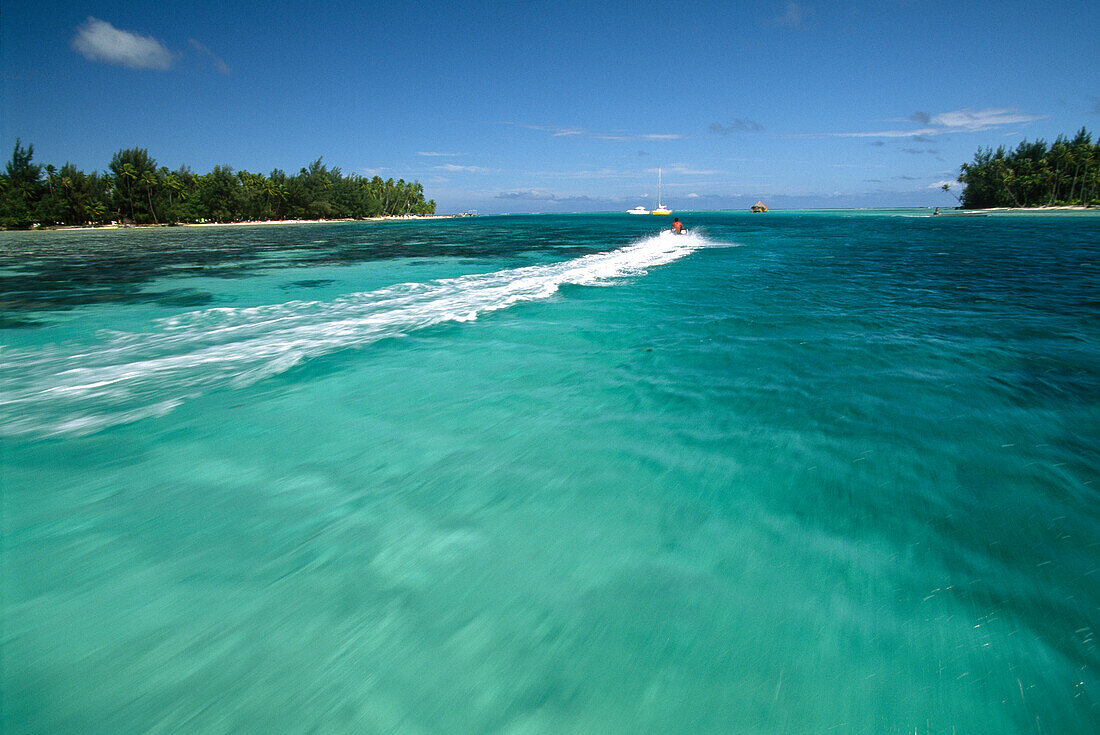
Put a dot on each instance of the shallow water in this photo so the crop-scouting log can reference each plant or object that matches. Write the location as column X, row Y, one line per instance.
column 796, row 472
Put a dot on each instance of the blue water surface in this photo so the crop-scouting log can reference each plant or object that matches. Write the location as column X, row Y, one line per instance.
column 797, row 472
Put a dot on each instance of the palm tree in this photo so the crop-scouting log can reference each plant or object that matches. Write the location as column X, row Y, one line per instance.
column 129, row 173
column 96, row 211
column 149, row 179
column 173, row 184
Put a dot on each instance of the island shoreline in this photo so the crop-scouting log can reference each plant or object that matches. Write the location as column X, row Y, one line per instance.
column 938, row 211
column 1054, row 209
column 246, row 223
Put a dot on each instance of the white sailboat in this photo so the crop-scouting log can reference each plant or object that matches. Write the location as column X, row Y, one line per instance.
column 661, row 208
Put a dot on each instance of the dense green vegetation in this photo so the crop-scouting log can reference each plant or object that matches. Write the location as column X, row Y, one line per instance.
column 1034, row 175
column 134, row 189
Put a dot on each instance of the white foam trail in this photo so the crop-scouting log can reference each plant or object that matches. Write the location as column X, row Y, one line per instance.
column 133, row 375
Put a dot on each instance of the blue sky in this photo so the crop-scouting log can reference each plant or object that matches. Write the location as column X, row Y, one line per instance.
column 530, row 106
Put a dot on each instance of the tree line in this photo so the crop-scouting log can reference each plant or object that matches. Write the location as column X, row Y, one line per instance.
column 1034, row 174
column 135, row 190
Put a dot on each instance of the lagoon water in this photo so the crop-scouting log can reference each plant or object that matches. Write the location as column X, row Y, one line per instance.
column 802, row 472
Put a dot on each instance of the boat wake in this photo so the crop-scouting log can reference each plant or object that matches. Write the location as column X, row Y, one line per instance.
column 129, row 376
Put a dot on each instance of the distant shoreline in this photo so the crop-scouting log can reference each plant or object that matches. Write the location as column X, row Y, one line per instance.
column 247, row 223
column 388, row 218
column 944, row 211
column 958, row 212
column 1052, row 208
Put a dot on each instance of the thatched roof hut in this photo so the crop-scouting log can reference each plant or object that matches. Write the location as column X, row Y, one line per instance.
column 759, row 207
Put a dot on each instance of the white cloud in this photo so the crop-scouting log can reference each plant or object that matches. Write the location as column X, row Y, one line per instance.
column 456, row 167
column 971, row 120
column 98, row 40
column 554, row 130
column 216, row 60
column 939, row 184
column 957, row 121
column 563, row 132
column 640, row 136
column 436, row 154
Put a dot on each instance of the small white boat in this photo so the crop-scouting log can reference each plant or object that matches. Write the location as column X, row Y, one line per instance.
column 638, row 210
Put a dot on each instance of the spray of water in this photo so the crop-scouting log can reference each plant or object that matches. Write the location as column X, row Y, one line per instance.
column 129, row 376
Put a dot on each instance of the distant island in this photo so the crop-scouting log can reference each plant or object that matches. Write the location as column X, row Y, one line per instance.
column 1066, row 173
column 134, row 190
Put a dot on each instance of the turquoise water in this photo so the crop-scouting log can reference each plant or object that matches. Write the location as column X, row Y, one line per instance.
column 793, row 473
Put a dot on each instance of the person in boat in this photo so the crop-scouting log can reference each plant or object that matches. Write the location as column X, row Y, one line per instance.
column 677, row 226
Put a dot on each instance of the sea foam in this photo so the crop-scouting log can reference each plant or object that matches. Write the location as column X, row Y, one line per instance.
column 128, row 376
